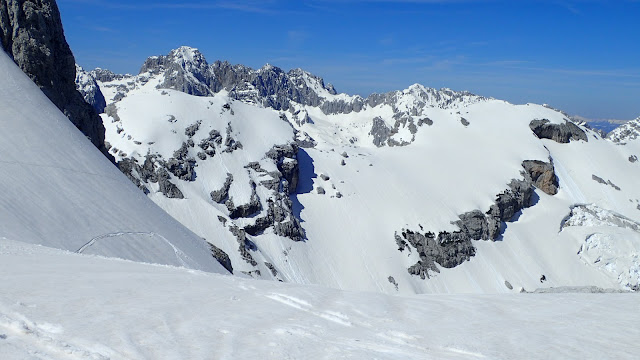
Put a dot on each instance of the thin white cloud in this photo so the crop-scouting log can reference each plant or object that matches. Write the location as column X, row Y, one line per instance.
column 265, row 7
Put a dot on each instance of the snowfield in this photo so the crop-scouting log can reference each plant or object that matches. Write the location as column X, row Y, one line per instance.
column 445, row 153
column 60, row 191
column 59, row 305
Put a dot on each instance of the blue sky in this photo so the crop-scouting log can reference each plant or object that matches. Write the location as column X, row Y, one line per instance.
column 581, row 56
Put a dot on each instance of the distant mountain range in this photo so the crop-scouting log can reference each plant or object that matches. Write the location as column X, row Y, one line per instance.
column 418, row 190
column 605, row 125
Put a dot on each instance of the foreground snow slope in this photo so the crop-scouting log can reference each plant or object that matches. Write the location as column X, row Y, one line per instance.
column 59, row 305
column 59, row 191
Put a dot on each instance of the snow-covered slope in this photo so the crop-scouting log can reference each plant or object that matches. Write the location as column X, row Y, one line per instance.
column 57, row 305
column 60, row 191
column 413, row 191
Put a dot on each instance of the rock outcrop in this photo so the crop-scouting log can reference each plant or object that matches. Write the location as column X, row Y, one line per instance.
column 221, row 256
column 561, row 133
column 543, row 175
column 153, row 170
column 279, row 213
column 450, row 249
column 221, row 195
column 286, row 159
column 380, row 132
column 31, row 33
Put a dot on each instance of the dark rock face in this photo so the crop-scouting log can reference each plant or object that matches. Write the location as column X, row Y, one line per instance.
column 31, row 33
column 245, row 210
column 274, row 271
column 633, row 158
column 152, row 170
column 512, row 200
column 392, row 281
column 279, row 213
column 244, row 245
column 475, row 225
column 129, row 167
column 209, row 144
column 561, row 133
column 448, row 250
column 191, row 130
column 279, row 216
column 598, row 179
column 220, row 196
column 427, row 121
column 181, row 165
column 286, row 159
column 380, row 132
column 230, row 143
column 543, row 175
column 222, row 257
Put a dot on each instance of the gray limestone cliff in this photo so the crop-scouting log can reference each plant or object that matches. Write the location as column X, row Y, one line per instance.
column 31, row 33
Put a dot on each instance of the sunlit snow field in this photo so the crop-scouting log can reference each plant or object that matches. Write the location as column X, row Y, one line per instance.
column 59, row 305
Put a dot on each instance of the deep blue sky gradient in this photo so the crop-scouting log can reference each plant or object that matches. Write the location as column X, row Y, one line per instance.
column 581, row 56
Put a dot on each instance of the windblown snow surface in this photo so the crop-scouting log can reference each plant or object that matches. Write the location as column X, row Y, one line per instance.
column 61, row 192
column 60, row 305
column 454, row 153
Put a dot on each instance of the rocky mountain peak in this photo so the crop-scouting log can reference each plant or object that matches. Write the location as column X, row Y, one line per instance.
column 268, row 67
column 311, row 80
column 625, row 132
column 188, row 57
column 105, row 75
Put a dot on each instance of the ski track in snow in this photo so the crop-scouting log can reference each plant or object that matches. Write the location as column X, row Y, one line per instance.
column 300, row 304
column 110, row 235
column 179, row 254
